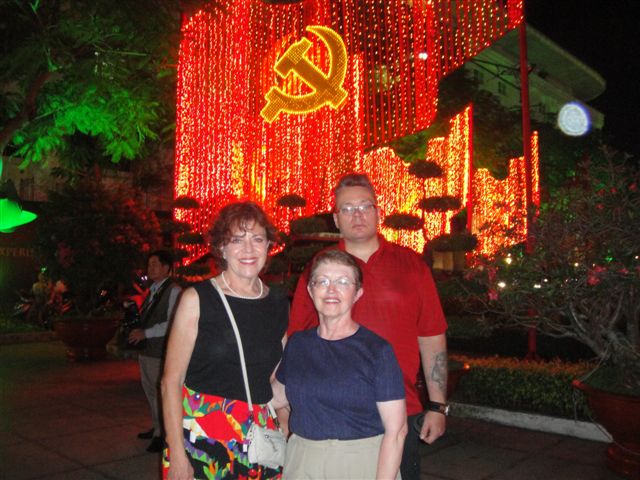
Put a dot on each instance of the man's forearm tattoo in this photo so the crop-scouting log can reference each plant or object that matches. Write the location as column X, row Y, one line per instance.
column 438, row 374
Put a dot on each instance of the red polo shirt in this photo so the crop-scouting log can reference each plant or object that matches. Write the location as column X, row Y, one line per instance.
column 400, row 303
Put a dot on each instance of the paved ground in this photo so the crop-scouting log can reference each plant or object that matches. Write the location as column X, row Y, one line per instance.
column 64, row 421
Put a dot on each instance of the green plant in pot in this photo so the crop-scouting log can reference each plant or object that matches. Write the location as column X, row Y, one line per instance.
column 581, row 280
column 92, row 240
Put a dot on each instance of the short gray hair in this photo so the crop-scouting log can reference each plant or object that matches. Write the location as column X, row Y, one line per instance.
column 333, row 255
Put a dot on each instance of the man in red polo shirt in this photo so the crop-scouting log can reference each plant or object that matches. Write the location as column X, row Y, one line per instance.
column 400, row 303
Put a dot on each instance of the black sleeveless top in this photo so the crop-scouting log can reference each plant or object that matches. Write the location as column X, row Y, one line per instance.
column 215, row 362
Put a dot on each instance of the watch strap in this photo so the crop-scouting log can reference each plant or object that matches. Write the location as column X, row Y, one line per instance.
column 442, row 408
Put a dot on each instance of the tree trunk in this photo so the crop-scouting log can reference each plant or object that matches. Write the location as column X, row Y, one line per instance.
column 26, row 113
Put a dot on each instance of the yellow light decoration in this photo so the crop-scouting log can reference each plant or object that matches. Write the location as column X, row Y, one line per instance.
column 327, row 89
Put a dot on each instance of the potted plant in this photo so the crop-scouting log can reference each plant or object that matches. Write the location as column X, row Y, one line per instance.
column 91, row 240
column 581, row 279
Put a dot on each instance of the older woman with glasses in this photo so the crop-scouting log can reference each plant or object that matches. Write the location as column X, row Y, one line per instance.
column 343, row 384
column 205, row 406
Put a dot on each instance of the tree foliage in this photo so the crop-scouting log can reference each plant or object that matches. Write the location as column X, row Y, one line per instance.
column 497, row 133
column 582, row 278
column 84, row 76
column 93, row 239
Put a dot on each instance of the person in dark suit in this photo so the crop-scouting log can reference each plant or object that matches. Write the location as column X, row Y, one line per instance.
column 155, row 314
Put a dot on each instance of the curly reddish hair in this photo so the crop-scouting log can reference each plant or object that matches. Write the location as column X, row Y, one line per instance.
column 239, row 215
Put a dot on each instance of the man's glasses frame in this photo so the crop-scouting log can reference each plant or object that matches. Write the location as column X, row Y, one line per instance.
column 363, row 209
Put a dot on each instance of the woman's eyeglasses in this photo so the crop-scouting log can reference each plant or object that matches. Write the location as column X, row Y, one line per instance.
column 323, row 283
column 363, row 209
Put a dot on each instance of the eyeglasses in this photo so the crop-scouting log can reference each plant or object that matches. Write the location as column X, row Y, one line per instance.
column 342, row 283
column 362, row 209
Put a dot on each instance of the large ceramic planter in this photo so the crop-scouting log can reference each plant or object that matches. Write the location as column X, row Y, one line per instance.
column 620, row 415
column 450, row 261
column 86, row 339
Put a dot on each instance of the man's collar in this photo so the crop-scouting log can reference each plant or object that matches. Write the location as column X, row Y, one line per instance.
column 156, row 285
column 382, row 244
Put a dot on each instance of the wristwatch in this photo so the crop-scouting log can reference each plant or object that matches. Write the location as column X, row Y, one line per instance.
column 442, row 408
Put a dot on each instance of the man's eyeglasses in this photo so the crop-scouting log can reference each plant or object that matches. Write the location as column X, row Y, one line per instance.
column 342, row 283
column 363, row 209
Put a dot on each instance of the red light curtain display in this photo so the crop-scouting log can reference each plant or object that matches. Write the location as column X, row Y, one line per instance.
column 225, row 150
column 453, row 155
column 499, row 206
column 466, row 27
column 398, row 191
column 500, row 209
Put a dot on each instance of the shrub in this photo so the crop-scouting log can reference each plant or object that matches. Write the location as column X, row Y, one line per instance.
column 93, row 239
column 399, row 221
column 186, row 203
column 425, row 169
column 440, row 204
column 307, row 225
column 454, row 242
column 512, row 384
column 464, row 327
column 291, row 201
column 191, row 238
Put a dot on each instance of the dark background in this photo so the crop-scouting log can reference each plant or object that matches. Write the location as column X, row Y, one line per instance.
column 604, row 34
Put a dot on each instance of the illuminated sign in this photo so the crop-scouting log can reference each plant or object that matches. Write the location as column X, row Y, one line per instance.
column 327, row 89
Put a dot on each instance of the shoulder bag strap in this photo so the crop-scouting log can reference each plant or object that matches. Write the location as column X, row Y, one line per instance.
column 239, row 340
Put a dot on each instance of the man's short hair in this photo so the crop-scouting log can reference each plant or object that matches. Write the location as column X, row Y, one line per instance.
column 354, row 180
column 164, row 256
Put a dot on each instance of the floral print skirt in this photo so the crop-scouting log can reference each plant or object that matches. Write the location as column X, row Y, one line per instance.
column 215, row 429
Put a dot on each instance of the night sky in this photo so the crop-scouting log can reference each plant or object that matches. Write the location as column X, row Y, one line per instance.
column 604, row 35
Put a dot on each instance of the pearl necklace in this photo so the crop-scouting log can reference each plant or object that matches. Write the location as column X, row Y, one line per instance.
column 243, row 296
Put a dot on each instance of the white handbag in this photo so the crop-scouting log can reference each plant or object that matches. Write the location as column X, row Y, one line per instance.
column 266, row 447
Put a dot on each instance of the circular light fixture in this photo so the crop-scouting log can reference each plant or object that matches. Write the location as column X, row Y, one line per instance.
column 573, row 119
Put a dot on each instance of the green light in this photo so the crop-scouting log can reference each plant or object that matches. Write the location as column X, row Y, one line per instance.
column 13, row 216
column 11, row 213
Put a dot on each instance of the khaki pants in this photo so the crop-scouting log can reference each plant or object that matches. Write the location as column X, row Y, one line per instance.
column 150, row 373
column 331, row 459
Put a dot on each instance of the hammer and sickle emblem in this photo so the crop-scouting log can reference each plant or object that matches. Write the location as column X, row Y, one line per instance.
column 326, row 88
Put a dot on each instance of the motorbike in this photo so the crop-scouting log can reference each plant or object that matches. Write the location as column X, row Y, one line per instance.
column 23, row 305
